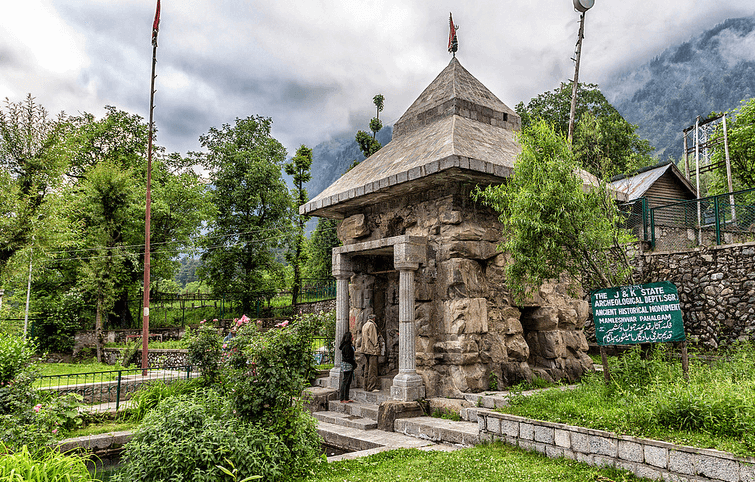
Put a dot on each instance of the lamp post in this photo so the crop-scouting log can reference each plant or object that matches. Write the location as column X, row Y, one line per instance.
column 581, row 6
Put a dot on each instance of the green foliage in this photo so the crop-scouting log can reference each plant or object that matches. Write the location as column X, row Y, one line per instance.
column 741, row 136
column 31, row 166
column 61, row 315
column 149, row 395
column 648, row 397
column 15, row 356
column 47, row 465
column 493, row 381
column 205, row 351
column 446, row 414
column 253, row 207
column 604, row 143
column 189, row 436
column 300, row 168
column 484, row 462
column 267, row 371
column 552, row 224
column 320, row 250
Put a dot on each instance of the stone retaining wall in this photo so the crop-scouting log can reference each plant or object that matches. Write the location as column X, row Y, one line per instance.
column 317, row 306
column 644, row 457
column 156, row 358
column 716, row 289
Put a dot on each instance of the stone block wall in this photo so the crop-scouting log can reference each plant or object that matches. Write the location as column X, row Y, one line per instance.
column 466, row 324
column 155, row 357
column 716, row 289
column 644, row 457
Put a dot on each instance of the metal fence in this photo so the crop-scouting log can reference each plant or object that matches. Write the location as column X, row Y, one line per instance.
column 722, row 219
column 108, row 390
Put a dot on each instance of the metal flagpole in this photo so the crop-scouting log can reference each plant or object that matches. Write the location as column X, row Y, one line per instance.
column 147, row 215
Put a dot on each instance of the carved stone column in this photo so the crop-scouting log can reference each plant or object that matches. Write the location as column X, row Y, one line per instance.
column 407, row 385
column 342, row 271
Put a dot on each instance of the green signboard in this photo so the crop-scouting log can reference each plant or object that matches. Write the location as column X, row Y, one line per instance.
column 627, row 315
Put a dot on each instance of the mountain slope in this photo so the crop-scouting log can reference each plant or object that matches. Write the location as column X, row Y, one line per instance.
column 330, row 159
column 713, row 71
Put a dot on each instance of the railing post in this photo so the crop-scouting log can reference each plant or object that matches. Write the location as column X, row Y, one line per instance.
column 718, row 220
column 652, row 228
column 118, row 392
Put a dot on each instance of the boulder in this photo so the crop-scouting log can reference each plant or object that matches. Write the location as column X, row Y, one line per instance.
column 353, row 227
column 465, row 316
column 461, row 278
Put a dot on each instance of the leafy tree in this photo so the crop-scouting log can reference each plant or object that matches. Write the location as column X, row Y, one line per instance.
column 320, row 250
column 604, row 142
column 32, row 161
column 106, row 171
column 552, row 226
column 300, row 168
column 741, row 136
column 368, row 144
column 253, row 206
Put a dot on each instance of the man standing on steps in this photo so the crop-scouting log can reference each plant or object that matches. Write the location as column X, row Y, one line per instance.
column 371, row 350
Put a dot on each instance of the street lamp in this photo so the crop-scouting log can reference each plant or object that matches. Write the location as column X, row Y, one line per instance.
column 581, row 6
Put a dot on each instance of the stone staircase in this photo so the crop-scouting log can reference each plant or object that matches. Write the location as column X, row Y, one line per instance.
column 353, row 426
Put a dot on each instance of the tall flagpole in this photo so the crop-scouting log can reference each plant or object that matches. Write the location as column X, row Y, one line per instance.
column 147, row 215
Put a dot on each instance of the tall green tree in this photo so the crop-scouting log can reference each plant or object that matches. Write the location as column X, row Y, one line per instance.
column 300, row 168
column 741, row 136
column 106, row 186
column 320, row 250
column 552, row 226
column 604, row 143
column 32, row 162
column 253, row 207
column 367, row 143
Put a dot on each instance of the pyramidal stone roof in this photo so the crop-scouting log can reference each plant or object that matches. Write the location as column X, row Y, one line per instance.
column 456, row 130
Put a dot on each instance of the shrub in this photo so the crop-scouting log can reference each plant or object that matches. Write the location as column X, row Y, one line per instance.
column 205, row 350
column 187, row 437
column 149, row 396
column 15, row 356
column 47, row 465
column 267, row 371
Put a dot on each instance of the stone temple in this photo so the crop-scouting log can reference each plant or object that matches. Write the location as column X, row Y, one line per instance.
column 420, row 254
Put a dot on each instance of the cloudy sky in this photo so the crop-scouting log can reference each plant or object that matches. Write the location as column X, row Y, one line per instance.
column 311, row 65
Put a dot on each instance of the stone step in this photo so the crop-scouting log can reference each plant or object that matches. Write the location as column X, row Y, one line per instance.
column 375, row 398
column 439, row 430
column 345, row 420
column 359, row 409
column 359, row 440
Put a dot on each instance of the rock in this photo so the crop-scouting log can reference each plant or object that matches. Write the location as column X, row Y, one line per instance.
column 478, row 250
column 461, row 278
column 390, row 410
column 517, row 349
column 316, row 398
column 515, row 372
column 541, row 319
column 465, row 316
column 450, row 217
column 353, row 227
column 575, row 340
column 469, row 378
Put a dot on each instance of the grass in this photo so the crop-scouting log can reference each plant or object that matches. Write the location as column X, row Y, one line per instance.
column 481, row 463
column 103, row 427
column 49, row 369
column 650, row 398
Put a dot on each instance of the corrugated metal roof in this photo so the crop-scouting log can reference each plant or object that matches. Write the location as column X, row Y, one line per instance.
column 636, row 186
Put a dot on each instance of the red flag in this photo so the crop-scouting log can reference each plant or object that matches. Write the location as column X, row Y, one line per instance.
column 453, row 43
column 156, row 25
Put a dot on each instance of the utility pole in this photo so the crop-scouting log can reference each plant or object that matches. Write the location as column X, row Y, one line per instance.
column 582, row 6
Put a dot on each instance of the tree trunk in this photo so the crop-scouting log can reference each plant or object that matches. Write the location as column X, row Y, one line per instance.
column 98, row 327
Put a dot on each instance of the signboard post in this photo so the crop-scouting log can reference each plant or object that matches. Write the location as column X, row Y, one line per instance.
column 628, row 315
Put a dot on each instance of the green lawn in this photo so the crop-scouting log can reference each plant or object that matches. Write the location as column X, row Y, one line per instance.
column 650, row 398
column 489, row 462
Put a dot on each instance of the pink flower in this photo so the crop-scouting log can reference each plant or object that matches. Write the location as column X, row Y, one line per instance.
column 284, row 324
column 201, row 322
column 214, row 320
column 259, row 322
column 37, row 407
column 244, row 319
column 55, row 430
column 225, row 345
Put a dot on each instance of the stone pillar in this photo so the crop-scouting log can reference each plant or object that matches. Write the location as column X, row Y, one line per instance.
column 342, row 272
column 407, row 385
